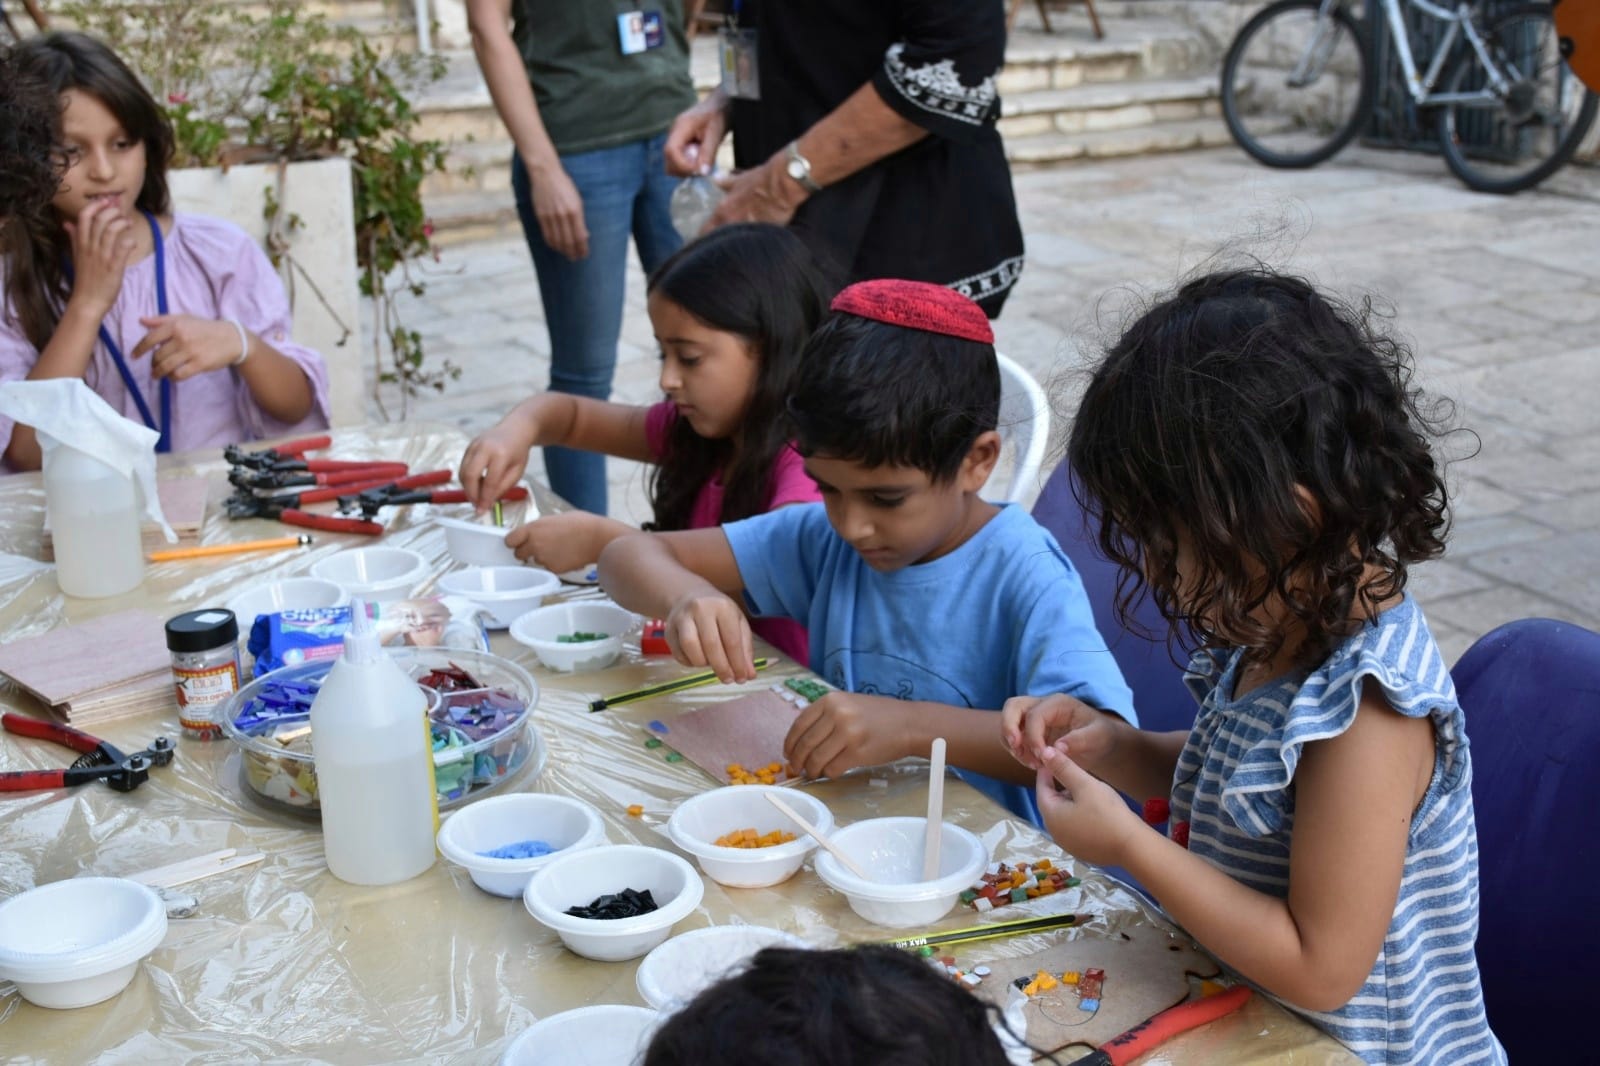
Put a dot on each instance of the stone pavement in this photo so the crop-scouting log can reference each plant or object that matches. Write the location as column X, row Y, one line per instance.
column 1499, row 297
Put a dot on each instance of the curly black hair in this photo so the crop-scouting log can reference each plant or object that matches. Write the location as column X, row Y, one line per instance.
column 762, row 283
column 866, row 1005
column 887, row 395
column 31, row 159
column 1270, row 434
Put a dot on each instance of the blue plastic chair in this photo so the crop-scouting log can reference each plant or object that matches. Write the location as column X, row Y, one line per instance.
column 1160, row 697
column 1531, row 693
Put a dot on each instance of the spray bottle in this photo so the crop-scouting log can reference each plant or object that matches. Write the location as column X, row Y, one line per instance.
column 374, row 759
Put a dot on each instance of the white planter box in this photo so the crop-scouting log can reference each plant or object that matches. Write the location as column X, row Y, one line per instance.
column 324, row 245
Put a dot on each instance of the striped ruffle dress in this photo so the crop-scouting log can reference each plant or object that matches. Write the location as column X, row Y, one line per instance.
column 1422, row 1003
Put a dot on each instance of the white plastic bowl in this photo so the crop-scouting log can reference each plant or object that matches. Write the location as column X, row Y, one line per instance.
column 287, row 594
column 563, row 823
column 538, row 629
column 689, row 963
column 373, row 574
column 578, row 878
column 607, row 1035
column 476, row 544
column 504, row 593
column 79, row 941
column 700, row 820
column 890, row 851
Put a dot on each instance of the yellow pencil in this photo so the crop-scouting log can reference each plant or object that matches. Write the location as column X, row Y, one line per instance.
column 230, row 549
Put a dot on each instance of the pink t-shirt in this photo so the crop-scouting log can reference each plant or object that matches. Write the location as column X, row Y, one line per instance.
column 790, row 484
column 214, row 270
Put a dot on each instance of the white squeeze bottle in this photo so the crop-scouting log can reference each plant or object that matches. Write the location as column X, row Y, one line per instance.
column 94, row 522
column 374, row 760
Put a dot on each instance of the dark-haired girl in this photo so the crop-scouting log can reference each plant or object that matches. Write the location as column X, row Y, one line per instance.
column 864, row 1006
column 177, row 321
column 1258, row 462
column 731, row 313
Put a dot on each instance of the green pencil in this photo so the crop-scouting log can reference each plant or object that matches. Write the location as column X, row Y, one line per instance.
column 705, row 677
column 992, row 931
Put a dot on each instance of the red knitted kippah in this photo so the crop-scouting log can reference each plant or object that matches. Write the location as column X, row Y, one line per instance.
column 916, row 305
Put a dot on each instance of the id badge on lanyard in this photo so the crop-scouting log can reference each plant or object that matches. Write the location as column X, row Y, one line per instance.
column 741, row 68
column 640, row 31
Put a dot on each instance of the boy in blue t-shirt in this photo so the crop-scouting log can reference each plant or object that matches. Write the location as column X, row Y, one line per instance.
column 927, row 607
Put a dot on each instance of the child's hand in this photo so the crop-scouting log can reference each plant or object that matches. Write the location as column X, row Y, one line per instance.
column 1031, row 724
column 186, row 345
column 1085, row 815
column 492, row 465
column 559, row 543
column 102, row 248
column 711, row 630
column 844, row 730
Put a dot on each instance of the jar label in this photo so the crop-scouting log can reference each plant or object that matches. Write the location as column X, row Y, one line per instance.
column 201, row 691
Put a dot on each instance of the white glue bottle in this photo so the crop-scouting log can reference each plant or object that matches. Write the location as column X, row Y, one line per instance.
column 374, row 758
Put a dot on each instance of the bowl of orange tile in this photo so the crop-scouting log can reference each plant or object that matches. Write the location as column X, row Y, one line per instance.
column 741, row 840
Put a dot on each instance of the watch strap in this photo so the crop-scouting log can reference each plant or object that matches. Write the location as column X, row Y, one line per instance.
column 799, row 168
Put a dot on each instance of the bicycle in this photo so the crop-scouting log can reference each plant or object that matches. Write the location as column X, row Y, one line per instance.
column 1300, row 77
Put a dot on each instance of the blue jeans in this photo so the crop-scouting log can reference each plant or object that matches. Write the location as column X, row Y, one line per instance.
column 625, row 191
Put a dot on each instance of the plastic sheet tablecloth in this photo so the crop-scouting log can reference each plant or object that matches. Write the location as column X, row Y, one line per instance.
column 284, row 963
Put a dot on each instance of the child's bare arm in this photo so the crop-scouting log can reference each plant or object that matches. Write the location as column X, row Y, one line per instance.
column 1354, row 795
column 844, row 730
column 496, row 458
column 686, row 578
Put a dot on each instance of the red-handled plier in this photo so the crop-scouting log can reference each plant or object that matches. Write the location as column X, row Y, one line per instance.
column 285, row 507
column 267, row 480
column 370, row 501
column 99, row 762
column 293, row 449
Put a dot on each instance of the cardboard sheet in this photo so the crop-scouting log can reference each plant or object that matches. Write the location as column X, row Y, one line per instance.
column 748, row 731
column 1147, row 970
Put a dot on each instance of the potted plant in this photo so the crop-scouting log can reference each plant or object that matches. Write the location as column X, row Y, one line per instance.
column 277, row 107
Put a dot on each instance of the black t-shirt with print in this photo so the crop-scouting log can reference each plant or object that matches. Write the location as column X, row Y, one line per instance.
column 941, row 210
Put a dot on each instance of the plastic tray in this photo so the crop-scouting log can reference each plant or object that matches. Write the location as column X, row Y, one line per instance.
column 465, row 766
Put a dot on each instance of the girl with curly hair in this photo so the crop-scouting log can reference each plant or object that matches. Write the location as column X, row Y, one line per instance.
column 30, row 160
column 1258, row 462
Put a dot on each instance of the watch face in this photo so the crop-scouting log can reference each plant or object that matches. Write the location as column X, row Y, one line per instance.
column 796, row 169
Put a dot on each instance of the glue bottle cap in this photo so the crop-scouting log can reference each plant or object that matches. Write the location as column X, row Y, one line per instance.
column 361, row 643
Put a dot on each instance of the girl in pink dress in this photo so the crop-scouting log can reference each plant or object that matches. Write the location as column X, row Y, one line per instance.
column 177, row 321
column 732, row 313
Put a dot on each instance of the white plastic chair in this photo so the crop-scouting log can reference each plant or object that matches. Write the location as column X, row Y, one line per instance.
column 1024, row 434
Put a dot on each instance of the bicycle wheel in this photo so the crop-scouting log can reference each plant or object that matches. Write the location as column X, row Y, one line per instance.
column 1514, row 140
column 1296, row 86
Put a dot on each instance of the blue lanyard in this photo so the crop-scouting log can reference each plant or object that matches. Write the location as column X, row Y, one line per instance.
column 164, row 441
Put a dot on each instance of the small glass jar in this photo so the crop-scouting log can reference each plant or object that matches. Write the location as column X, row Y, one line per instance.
column 205, row 668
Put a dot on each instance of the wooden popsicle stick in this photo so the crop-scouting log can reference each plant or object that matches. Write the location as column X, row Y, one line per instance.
column 196, row 869
column 935, row 827
column 827, row 845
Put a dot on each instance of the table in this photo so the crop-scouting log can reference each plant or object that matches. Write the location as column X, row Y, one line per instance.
column 284, row 962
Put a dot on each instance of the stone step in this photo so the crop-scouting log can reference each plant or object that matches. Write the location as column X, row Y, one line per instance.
column 1027, row 153
column 1107, row 105
column 482, row 163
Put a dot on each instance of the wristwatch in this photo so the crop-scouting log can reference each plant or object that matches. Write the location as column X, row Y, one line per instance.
column 798, row 167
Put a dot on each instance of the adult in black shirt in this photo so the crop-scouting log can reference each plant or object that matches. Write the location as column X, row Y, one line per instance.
column 891, row 109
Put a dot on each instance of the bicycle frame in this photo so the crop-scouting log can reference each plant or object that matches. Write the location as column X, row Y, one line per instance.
column 1420, row 85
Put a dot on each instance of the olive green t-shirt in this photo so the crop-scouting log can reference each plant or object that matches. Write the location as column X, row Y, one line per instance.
column 590, row 95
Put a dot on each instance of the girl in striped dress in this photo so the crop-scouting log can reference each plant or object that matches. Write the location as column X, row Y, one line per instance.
column 1258, row 463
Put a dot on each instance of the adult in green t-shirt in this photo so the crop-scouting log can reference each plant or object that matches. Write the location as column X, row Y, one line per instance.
column 587, row 89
